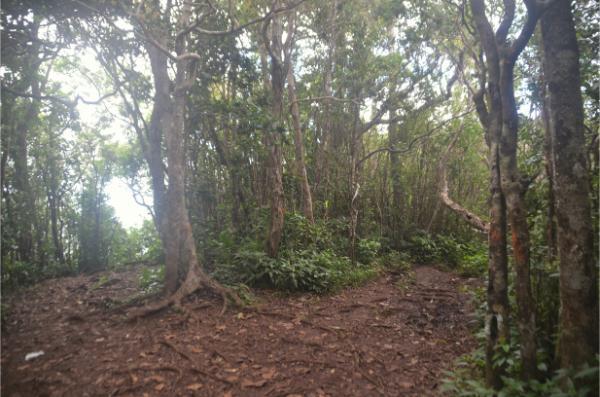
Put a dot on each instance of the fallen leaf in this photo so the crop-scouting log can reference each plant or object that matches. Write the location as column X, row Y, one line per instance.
column 195, row 386
column 251, row 383
column 159, row 387
column 156, row 378
column 231, row 378
column 33, row 355
column 269, row 373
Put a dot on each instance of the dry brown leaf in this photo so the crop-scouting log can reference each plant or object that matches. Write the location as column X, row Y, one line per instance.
column 159, row 387
column 406, row 385
column 252, row 383
column 155, row 378
column 268, row 373
column 195, row 386
column 231, row 378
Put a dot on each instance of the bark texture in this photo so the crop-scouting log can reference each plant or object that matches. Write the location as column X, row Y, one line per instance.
column 501, row 56
column 578, row 338
column 274, row 46
column 306, row 196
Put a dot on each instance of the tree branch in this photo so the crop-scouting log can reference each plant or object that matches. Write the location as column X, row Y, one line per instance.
column 471, row 218
column 67, row 103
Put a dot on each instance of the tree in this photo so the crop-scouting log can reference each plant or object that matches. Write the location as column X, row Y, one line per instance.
column 279, row 54
column 501, row 56
column 306, row 195
column 578, row 337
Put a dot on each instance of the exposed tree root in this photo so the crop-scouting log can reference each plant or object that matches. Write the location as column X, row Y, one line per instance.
column 195, row 280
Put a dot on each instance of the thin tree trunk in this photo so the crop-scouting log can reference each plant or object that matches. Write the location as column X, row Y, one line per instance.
column 551, row 239
column 517, row 215
column 395, row 177
column 273, row 137
column 307, row 205
column 326, row 120
column 578, row 337
column 161, row 109
column 497, row 319
column 25, row 201
column 500, row 60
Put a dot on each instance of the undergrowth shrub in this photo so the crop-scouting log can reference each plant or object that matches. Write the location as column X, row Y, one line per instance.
column 313, row 257
column 18, row 273
column 394, row 261
column 469, row 259
column 468, row 380
column 468, row 375
column 300, row 270
column 367, row 250
column 423, row 249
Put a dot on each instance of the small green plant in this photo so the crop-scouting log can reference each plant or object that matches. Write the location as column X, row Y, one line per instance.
column 16, row 273
column 395, row 262
column 101, row 281
column 308, row 270
column 473, row 265
column 151, row 279
column 367, row 250
column 423, row 249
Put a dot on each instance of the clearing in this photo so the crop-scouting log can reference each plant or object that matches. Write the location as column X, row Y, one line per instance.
column 393, row 336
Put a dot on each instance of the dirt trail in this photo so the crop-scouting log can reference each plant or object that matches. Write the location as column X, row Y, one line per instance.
column 369, row 341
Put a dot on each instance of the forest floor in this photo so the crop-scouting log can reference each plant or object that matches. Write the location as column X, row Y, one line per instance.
column 393, row 336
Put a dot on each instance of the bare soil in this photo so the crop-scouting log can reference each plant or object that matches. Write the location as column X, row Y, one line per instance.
column 392, row 337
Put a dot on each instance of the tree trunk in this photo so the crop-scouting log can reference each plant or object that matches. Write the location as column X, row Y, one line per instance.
column 395, row 177
column 56, row 237
column 497, row 319
column 326, row 121
column 549, row 169
column 512, row 189
column 500, row 60
column 307, row 205
column 578, row 337
column 24, row 199
column 161, row 109
column 273, row 137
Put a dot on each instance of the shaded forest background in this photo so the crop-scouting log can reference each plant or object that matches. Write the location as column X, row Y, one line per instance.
column 309, row 146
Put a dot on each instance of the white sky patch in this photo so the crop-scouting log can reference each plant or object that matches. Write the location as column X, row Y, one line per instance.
column 87, row 83
column 130, row 213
